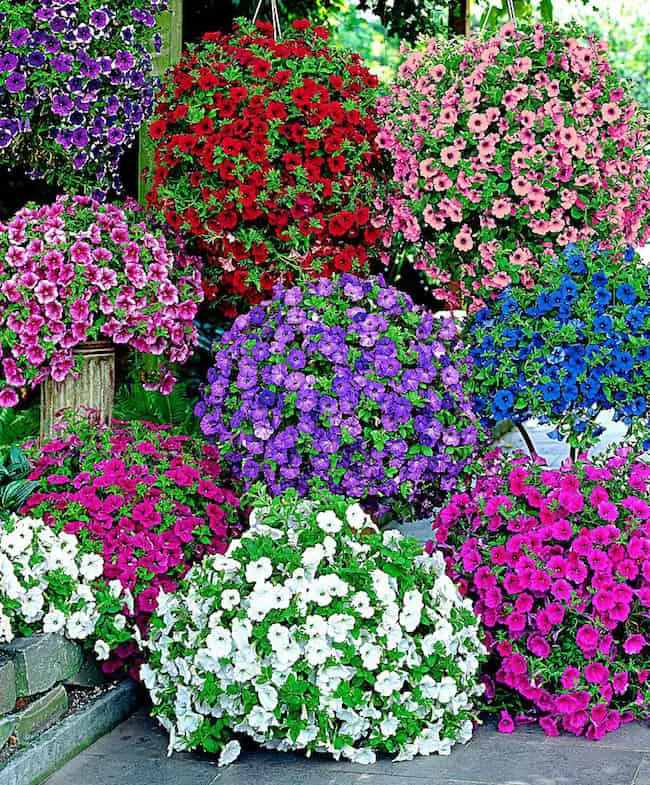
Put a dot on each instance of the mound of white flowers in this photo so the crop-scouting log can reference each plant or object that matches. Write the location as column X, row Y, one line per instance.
column 316, row 632
column 49, row 583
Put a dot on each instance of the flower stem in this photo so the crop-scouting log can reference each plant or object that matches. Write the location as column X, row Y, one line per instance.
column 527, row 440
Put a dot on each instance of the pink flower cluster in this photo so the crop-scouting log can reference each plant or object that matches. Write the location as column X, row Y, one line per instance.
column 148, row 500
column 557, row 562
column 508, row 148
column 77, row 270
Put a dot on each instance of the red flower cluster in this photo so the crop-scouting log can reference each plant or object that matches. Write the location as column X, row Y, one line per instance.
column 266, row 156
column 148, row 500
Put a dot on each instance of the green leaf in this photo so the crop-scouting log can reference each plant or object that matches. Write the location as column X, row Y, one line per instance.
column 546, row 10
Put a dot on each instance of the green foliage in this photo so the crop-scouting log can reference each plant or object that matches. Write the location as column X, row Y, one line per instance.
column 18, row 426
column 132, row 402
column 365, row 34
column 622, row 24
column 15, row 488
column 406, row 19
column 628, row 37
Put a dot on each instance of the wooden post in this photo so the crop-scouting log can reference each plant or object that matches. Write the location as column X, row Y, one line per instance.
column 459, row 17
column 170, row 24
column 94, row 387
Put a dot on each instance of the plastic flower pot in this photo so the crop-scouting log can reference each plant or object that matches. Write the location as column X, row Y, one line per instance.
column 93, row 387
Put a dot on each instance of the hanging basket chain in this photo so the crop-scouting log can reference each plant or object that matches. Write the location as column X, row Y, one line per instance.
column 512, row 13
column 275, row 17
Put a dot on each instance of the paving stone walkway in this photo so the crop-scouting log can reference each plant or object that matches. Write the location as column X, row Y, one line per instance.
column 135, row 752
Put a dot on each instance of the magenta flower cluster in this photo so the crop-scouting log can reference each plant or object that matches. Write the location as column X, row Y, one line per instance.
column 508, row 148
column 344, row 384
column 77, row 270
column 150, row 501
column 557, row 562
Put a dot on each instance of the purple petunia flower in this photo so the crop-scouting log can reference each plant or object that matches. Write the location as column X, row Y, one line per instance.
column 80, row 137
column 62, row 105
column 20, row 36
column 98, row 19
column 115, row 135
column 124, row 61
column 15, row 82
column 113, row 78
column 8, row 62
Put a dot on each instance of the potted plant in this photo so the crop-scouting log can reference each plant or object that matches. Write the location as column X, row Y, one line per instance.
column 505, row 148
column 265, row 157
column 79, row 277
column 343, row 383
column 76, row 82
column 576, row 345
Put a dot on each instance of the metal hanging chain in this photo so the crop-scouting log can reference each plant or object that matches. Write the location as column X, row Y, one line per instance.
column 275, row 17
column 488, row 13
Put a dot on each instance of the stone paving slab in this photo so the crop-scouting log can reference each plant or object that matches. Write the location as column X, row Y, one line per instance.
column 135, row 754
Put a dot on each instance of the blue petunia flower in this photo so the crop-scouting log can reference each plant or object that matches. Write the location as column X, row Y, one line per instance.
column 626, row 294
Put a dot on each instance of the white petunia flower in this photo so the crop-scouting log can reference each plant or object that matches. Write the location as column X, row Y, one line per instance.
column 54, row 620
column 329, row 522
column 313, row 556
column 317, row 650
column 315, row 625
column 370, row 656
column 219, row 642
column 92, row 566
column 229, row 753
column 357, row 518
column 259, row 570
column 278, row 636
column 389, row 726
column 102, row 649
column 267, row 695
column 362, row 605
column 230, row 599
column 364, row 756
column 389, row 682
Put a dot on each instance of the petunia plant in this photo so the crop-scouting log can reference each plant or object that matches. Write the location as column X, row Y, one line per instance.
column 575, row 345
column 265, row 156
column 504, row 148
column 78, row 270
column 76, row 82
column 49, row 583
column 557, row 562
column 148, row 501
column 316, row 632
column 344, row 383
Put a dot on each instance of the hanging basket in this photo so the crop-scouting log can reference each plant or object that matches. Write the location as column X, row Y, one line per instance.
column 93, row 388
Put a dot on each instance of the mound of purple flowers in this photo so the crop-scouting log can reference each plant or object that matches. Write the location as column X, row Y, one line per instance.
column 76, row 82
column 344, row 384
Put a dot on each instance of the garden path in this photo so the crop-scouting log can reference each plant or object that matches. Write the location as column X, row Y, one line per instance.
column 135, row 752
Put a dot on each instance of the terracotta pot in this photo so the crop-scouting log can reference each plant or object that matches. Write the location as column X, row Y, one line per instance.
column 94, row 387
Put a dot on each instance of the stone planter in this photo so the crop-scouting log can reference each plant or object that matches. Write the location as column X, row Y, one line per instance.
column 94, row 387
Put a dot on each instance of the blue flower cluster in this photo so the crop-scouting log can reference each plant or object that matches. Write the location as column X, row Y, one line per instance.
column 76, row 83
column 568, row 349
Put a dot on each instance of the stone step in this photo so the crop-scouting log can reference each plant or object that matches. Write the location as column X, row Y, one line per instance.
column 41, row 713
column 7, row 687
column 42, row 661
